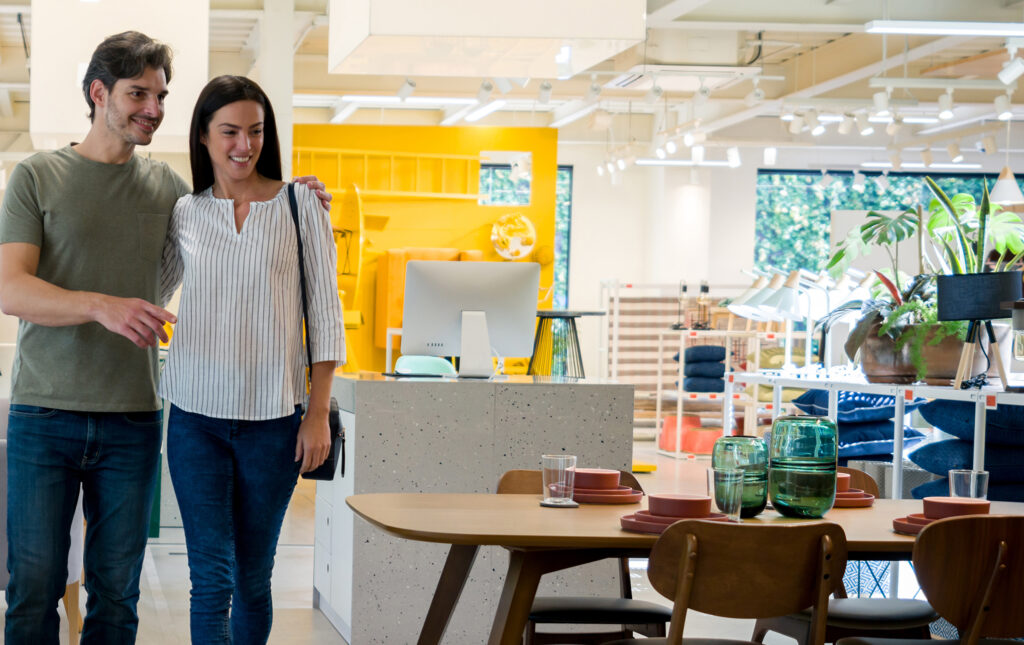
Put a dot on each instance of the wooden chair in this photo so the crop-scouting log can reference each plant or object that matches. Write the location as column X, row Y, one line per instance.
column 860, row 479
column 971, row 569
column 628, row 614
column 884, row 617
column 745, row 571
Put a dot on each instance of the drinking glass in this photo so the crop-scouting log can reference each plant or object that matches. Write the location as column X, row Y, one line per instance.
column 749, row 454
column 968, row 483
column 558, row 473
column 726, row 487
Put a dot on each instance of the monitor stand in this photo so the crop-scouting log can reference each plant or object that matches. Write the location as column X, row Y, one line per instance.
column 475, row 352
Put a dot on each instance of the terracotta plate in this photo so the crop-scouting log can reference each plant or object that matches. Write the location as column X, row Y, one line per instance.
column 901, row 525
column 647, row 516
column 603, row 498
column 631, row 523
column 679, row 505
column 937, row 508
column 853, row 492
column 621, row 490
column 597, row 478
column 919, row 518
column 854, row 502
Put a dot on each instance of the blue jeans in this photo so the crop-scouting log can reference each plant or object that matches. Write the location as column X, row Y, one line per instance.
column 113, row 457
column 233, row 480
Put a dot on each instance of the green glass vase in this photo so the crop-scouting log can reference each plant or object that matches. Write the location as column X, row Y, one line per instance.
column 802, row 466
column 750, row 454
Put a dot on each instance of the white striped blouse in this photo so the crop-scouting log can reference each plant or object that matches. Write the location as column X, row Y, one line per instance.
column 237, row 348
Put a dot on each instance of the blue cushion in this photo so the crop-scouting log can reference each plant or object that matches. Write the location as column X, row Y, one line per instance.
column 708, row 370
column 703, row 354
column 1004, row 425
column 853, row 406
column 703, row 384
column 1005, row 464
column 874, row 438
column 996, row 492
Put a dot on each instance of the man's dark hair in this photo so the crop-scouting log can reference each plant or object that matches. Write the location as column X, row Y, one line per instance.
column 124, row 55
column 218, row 93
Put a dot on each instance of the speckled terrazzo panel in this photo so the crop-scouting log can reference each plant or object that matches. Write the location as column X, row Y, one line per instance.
column 459, row 437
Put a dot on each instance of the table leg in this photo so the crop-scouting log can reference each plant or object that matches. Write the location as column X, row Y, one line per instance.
column 449, row 588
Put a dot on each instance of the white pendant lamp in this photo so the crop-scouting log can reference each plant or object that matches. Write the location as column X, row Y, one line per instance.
column 1006, row 190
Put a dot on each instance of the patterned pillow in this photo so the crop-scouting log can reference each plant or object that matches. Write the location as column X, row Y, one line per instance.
column 873, row 438
column 707, row 370
column 1004, row 425
column 702, row 384
column 703, row 354
column 1005, row 464
column 855, row 407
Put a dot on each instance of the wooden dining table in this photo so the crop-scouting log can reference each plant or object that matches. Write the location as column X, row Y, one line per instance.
column 543, row 540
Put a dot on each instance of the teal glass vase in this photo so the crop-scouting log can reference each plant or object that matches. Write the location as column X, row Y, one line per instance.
column 802, row 466
column 749, row 454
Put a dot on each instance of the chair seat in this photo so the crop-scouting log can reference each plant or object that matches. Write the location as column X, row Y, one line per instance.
column 857, row 640
column 594, row 610
column 686, row 641
column 875, row 613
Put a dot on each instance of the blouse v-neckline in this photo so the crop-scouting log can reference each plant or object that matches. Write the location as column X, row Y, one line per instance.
column 230, row 203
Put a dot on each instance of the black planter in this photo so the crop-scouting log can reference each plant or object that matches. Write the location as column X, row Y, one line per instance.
column 977, row 296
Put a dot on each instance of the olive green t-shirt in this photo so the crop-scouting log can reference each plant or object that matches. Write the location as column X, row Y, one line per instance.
column 99, row 227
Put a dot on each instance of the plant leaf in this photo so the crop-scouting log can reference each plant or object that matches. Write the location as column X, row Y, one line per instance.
column 983, row 214
column 891, row 287
column 954, row 216
column 859, row 334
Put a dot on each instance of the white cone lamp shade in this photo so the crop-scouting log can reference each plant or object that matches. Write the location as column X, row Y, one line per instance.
column 1006, row 190
column 863, row 289
column 818, row 293
column 739, row 305
column 785, row 302
column 757, row 300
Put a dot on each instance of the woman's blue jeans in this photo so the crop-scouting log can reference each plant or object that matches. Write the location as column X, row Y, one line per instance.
column 51, row 454
column 233, row 480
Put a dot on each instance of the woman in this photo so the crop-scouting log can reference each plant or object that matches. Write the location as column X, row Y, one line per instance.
column 235, row 371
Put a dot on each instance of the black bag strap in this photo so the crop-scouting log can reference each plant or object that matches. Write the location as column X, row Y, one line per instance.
column 302, row 283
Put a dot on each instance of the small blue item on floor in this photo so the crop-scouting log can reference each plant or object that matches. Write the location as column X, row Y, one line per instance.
column 854, row 407
column 703, row 384
column 996, row 492
column 703, row 354
column 1004, row 425
column 1005, row 464
column 707, row 370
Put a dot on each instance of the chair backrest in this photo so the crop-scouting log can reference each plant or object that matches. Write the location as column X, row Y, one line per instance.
column 747, row 570
column 971, row 569
column 860, row 479
column 525, row 482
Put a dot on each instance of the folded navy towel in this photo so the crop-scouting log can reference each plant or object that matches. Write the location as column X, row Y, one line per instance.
column 708, row 370
column 703, row 384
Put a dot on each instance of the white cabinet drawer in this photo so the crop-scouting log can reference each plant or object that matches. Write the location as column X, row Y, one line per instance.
column 324, row 522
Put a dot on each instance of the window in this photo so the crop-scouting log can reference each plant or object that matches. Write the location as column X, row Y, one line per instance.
column 793, row 209
column 498, row 189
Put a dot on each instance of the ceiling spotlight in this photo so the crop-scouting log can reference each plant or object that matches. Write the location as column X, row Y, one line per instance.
column 881, row 100
column 895, row 160
column 988, row 144
column 926, row 157
column 864, row 126
column 771, row 154
column 815, row 124
column 796, row 126
column 1003, row 110
column 653, row 94
column 1011, row 71
column 702, row 94
column 659, row 152
column 610, row 166
column 688, row 140
column 755, row 96
column 826, row 179
column 733, row 157
column 697, row 154
column 858, row 181
column 544, row 95
column 846, row 125
column 408, row 87
column 503, row 85
column 600, row 170
column 671, row 147
column 485, row 92
column 621, row 163
column 788, row 116
column 894, row 126
column 946, row 106
column 882, row 182
column 592, row 92
column 954, row 153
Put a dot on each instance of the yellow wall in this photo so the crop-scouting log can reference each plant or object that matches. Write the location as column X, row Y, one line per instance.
column 388, row 181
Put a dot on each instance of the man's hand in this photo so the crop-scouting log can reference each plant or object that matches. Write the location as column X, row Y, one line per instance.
column 320, row 189
column 314, row 441
column 137, row 320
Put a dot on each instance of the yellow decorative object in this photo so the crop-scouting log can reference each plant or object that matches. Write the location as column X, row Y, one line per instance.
column 513, row 236
column 639, row 467
column 544, row 255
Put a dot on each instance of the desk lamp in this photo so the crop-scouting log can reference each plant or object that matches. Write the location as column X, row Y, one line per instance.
column 739, row 305
column 977, row 298
column 785, row 303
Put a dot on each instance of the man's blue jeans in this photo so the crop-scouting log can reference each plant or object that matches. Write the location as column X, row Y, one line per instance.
column 233, row 480
column 113, row 458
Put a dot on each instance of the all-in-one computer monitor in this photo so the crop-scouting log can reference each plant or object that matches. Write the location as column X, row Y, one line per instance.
column 469, row 309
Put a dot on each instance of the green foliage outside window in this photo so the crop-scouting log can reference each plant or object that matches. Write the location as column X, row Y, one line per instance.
column 793, row 211
column 498, row 189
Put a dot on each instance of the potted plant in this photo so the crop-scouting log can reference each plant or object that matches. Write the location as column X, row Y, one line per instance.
column 899, row 334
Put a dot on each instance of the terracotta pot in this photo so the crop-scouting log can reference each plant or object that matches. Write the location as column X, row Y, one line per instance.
column 883, row 363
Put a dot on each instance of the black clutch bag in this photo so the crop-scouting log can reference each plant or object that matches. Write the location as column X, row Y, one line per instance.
column 336, row 457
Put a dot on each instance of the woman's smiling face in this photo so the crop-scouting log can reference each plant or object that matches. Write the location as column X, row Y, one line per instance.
column 234, row 139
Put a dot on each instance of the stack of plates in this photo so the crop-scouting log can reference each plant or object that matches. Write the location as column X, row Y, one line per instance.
column 847, row 497
column 601, row 486
column 937, row 508
column 666, row 510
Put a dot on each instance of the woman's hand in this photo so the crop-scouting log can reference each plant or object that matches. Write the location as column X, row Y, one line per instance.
column 319, row 188
column 314, row 440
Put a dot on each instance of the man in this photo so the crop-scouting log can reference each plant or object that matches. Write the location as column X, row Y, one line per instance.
column 81, row 234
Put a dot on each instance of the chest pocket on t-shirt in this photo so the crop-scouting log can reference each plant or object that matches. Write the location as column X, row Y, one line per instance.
column 152, row 231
